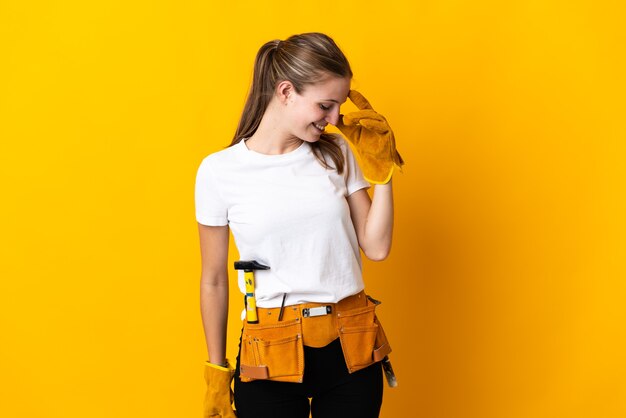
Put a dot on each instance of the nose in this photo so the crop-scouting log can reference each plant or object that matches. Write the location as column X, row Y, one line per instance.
column 333, row 117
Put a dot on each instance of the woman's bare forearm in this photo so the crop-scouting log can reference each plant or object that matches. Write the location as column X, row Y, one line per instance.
column 379, row 224
column 214, row 308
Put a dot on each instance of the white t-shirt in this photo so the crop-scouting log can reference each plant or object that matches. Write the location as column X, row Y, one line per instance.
column 287, row 212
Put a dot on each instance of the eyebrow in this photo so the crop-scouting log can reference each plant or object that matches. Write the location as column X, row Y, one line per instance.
column 330, row 100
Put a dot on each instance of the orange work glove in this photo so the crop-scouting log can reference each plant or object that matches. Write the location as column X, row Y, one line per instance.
column 373, row 139
column 219, row 395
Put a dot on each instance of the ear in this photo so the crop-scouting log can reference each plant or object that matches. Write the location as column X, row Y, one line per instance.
column 284, row 89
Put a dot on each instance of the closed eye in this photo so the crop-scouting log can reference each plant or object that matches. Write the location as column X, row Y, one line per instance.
column 324, row 107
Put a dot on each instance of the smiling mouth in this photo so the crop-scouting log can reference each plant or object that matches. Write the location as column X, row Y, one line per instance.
column 318, row 127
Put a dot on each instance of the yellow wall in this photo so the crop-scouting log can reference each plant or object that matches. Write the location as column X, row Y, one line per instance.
column 504, row 294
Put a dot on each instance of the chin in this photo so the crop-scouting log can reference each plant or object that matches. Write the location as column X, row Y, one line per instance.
column 309, row 138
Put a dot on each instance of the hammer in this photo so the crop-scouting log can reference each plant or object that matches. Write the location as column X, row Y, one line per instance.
column 248, row 267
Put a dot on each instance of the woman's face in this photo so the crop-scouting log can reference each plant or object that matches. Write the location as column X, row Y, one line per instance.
column 316, row 107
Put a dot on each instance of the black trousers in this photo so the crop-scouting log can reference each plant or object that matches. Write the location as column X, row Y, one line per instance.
column 334, row 392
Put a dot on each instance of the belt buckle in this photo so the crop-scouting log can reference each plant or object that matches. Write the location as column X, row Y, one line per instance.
column 318, row 311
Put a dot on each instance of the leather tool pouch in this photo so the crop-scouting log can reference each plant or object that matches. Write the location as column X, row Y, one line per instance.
column 363, row 340
column 272, row 351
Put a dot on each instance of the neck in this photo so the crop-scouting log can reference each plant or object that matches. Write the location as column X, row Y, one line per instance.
column 270, row 137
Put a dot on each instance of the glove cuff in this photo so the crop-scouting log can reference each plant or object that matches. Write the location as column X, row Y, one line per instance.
column 226, row 368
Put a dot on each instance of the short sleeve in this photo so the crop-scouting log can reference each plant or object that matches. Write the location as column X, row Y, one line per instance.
column 353, row 174
column 211, row 209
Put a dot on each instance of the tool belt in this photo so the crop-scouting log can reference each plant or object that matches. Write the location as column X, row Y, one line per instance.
column 273, row 349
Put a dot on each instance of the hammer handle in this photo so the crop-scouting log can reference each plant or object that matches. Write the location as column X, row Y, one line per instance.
column 251, row 314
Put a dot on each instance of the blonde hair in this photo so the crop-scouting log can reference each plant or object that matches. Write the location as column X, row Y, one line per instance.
column 303, row 59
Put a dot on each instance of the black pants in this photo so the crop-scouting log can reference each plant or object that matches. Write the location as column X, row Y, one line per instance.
column 334, row 391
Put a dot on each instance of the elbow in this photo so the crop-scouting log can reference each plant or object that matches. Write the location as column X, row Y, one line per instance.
column 378, row 254
column 213, row 279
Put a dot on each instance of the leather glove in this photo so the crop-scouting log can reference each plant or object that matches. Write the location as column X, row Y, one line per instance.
column 373, row 139
column 219, row 395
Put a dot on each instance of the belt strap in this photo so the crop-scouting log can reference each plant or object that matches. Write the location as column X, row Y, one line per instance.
column 271, row 315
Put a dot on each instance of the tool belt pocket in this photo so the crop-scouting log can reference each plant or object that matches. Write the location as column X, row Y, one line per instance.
column 363, row 340
column 272, row 352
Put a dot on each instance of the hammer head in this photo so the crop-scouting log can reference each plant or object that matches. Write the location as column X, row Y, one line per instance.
column 249, row 265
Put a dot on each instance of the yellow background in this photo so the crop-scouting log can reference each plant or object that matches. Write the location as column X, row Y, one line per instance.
column 504, row 295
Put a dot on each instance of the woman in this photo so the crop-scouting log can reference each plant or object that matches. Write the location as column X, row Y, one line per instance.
column 296, row 201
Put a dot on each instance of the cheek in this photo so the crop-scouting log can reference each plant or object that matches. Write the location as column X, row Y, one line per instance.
column 317, row 114
column 307, row 117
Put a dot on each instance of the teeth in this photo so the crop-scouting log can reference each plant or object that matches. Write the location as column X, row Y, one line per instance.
column 321, row 128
